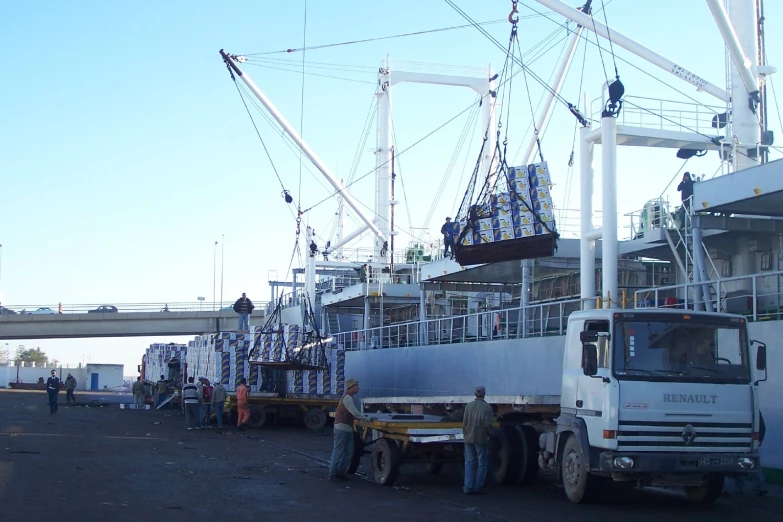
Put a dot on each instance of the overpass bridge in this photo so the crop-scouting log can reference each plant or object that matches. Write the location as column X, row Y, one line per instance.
column 129, row 320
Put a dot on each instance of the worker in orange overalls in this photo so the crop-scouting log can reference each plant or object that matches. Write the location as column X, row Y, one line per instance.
column 243, row 409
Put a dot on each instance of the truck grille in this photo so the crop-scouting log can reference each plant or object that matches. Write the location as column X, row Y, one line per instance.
column 697, row 436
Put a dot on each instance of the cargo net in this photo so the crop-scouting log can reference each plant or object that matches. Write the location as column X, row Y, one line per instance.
column 511, row 218
column 288, row 346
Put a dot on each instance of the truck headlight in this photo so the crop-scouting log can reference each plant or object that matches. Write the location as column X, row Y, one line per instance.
column 746, row 463
column 623, row 462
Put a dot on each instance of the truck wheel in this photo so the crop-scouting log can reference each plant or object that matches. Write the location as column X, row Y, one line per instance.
column 528, row 455
column 504, row 453
column 257, row 418
column 385, row 461
column 574, row 467
column 233, row 416
column 315, row 419
column 358, row 453
column 708, row 492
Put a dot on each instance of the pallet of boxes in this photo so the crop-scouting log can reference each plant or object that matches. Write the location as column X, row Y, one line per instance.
column 289, row 382
column 167, row 360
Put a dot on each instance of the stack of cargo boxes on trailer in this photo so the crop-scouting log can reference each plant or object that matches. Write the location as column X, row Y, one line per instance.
column 287, row 343
column 157, row 360
column 524, row 211
column 229, row 356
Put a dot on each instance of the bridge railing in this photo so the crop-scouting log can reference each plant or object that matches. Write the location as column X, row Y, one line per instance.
column 67, row 308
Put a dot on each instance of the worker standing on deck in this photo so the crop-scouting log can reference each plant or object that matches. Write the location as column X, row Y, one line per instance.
column 476, row 423
column 243, row 408
column 205, row 394
column 70, row 385
column 52, row 388
column 448, row 237
column 138, row 393
column 162, row 388
column 192, row 408
column 244, row 307
column 346, row 413
column 218, row 399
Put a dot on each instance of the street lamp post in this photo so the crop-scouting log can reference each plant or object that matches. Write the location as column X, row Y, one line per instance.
column 222, row 257
column 214, row 274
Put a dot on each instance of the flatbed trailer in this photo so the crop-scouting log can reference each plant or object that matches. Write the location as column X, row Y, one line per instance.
column 396, row 439
column 429, row 430
column 310, row 411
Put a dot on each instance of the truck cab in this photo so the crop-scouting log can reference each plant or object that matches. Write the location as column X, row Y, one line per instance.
column 656, row 397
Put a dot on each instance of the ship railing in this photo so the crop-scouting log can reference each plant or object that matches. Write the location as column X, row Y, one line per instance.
column 756, row 296
column 535, row 320
column 671, row 115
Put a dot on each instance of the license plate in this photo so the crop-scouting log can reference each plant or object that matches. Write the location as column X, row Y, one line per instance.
column 709, row 462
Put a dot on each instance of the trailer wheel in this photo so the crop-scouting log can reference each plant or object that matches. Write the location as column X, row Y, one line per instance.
column 257, row 418
column 315, row 419
column 358, row 453
column 385, row 461
column 528, row 455
column 504, row 450
column 708, row 492
column 579, row 484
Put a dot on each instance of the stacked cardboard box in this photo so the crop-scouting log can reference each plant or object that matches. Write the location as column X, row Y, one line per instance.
column 157, row 359
column 525, row 210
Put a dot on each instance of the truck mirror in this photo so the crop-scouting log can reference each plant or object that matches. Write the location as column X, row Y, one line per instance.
column 588, row 337
column 761, row 357
column 589, row 359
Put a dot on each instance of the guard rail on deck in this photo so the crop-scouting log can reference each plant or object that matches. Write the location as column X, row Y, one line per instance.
column 756, row 296
column 198, row 306
column 536, row 320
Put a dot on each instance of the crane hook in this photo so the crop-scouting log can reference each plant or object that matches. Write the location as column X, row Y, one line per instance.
column 514, row 11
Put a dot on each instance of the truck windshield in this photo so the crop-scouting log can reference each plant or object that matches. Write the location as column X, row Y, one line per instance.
column 681, row 350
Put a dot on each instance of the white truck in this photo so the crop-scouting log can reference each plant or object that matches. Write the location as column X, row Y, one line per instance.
column 650, row 397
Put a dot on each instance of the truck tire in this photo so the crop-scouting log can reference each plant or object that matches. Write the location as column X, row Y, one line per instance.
column 257, row 418
column 528, row 455
column 435, row 464
column 233, row 416
column 358, row 453
column 315, row 419
column 504, row 451
column 579, row 484
column 708, row 492
column 385, row 461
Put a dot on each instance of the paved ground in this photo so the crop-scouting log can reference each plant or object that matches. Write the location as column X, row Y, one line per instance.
column 104, row 463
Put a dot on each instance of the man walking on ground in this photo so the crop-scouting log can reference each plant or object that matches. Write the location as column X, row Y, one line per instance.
column 346, row 413
column 138, row 393
column 161, row 390
column 244, row 307
column 243, row 408
column 52, row 388
column 205, row 394
column 192, row 408
column 448, row 237
column 218, row 399
column 476, row 423
column 70, row 385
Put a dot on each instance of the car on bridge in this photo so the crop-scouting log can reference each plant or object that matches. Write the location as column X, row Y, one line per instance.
column 105, row 309
column 40, row 311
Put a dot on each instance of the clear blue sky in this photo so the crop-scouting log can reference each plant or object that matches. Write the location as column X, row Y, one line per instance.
column 125, row 151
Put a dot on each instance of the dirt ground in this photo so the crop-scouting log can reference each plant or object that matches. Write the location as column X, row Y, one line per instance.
column 109, row 464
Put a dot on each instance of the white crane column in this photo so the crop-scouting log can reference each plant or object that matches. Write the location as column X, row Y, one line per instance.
column 745, row 124
column 586, row 243
column 383, row 162
column 609, row 205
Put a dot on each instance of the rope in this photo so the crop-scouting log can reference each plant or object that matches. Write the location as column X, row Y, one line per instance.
column 609, row 37
column 301, row 107
column 365, row 40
